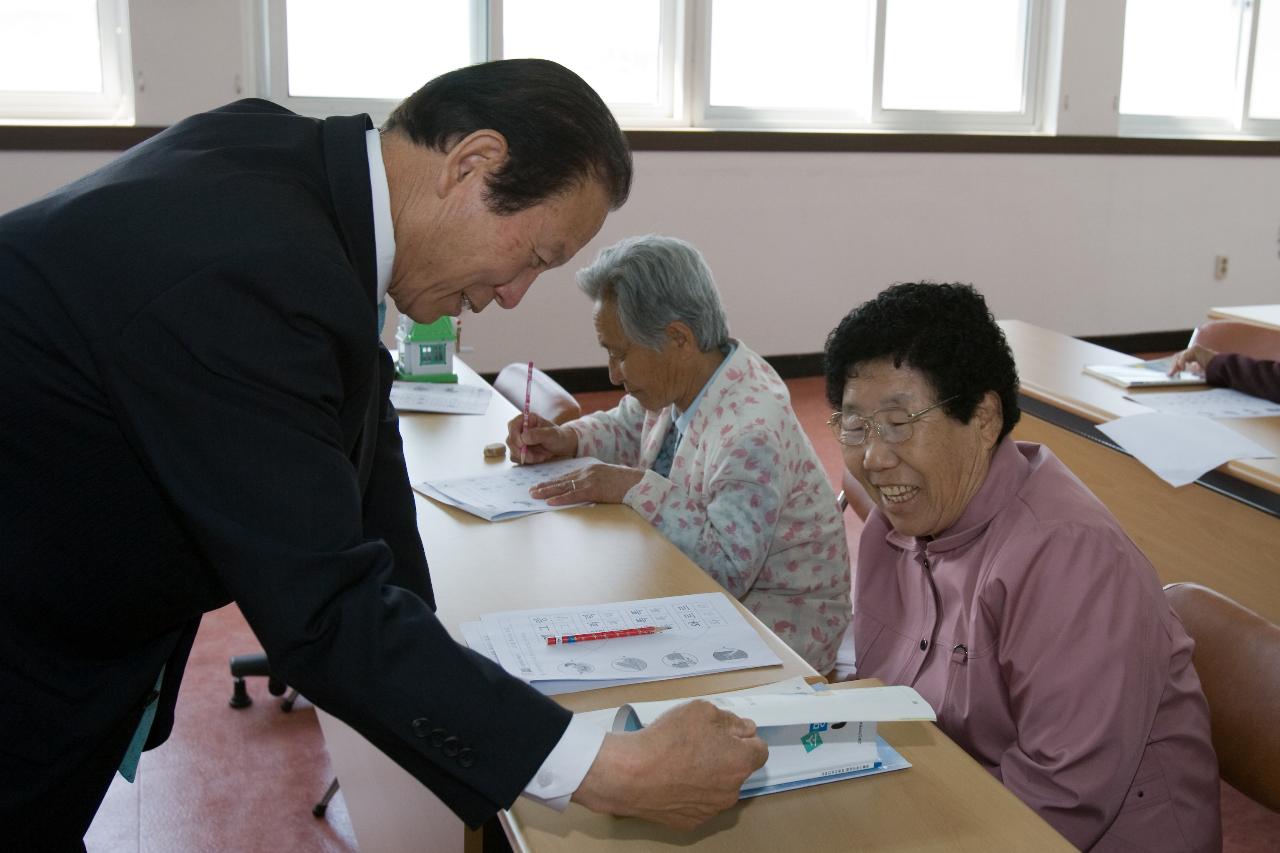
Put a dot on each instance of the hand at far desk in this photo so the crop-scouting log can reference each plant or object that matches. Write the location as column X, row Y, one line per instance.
column 681, row 771
column 1195, row 358
column 602, row 484
column 542, row 442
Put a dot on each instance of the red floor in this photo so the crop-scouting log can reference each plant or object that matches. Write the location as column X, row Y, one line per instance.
column 245, row 780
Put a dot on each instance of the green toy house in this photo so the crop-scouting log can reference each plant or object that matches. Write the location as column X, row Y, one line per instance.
column 425, row 350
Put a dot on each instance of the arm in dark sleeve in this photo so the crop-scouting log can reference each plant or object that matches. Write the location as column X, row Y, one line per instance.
column 390, row 513
column 1255, row 376
column 242, row 389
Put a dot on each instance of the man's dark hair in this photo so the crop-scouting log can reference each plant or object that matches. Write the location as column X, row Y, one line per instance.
column 945, row 331
column 557, row 128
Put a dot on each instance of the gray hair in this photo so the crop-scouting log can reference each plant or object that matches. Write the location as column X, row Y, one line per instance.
column 654, row 281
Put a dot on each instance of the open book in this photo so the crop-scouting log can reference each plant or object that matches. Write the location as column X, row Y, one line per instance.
column 502, row 494
column 814, row 737
column 1141, row 374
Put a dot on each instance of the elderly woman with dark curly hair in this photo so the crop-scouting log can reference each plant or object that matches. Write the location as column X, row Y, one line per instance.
column 994, row 583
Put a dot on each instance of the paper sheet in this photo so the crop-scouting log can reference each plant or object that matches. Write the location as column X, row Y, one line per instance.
column 503, row 494
column 449, row 397
column 871, row 704
column 799, row 756
column 707, row 634
column 1214, row 403
column 1180, row 448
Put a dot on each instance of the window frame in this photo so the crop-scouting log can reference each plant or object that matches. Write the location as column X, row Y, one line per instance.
column 113, row 105
column 1240, row 125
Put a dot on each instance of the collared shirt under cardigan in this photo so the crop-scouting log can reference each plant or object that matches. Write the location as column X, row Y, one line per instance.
column 1041, row 635
column 747, row 500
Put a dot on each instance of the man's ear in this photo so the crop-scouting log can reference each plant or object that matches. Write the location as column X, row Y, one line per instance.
column 990, row 417
column 475, row 156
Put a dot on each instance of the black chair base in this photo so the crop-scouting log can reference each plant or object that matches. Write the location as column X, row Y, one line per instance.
column 257, row 665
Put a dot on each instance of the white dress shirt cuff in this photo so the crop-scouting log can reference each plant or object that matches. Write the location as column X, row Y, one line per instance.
column 567, row 765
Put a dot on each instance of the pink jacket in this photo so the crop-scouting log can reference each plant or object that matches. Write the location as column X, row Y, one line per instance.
column 1040, row 634
column 747, row 500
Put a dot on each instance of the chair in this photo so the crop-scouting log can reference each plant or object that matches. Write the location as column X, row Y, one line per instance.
column 854, row 496
column 1244, row 338
column 546, row 398
column 1237, row 657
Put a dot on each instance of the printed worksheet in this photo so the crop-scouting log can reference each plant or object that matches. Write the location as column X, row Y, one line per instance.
column 452, row 398
column 503, row 494
column 704, row 633
column 1214, row 403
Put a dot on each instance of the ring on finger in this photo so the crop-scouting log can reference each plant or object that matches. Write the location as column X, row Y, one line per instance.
column 573, row 485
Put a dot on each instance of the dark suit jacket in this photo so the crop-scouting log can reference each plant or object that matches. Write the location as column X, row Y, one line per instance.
column 193, row 410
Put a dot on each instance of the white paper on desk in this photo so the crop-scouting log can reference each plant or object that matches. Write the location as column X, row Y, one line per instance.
column 1180, row 448
column 478, row 640
column 803, row 754
column 503, row 494
column 706, row 634
column 867, row 705
column 452, row 398
column 1214, row 403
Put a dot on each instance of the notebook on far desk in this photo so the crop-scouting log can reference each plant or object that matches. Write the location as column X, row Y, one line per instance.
column 1143, row 374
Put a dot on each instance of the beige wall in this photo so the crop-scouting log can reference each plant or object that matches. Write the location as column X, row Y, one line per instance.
column 1079, row 243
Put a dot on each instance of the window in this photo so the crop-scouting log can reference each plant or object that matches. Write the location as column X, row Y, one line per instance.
column 64, row 61
column 1200, row 67
column 867, row 64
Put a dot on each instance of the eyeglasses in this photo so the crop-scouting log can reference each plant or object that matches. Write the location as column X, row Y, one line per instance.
column 894, row 426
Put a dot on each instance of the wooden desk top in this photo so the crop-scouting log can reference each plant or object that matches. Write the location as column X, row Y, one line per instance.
column 944, row 802
column 1050, row 366
column 608, row 553
column 1258, row 315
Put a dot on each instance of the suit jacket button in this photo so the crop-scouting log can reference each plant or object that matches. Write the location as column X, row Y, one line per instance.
column 452, row 746
column 420, row 727
column 437, row 737
column 466, row 757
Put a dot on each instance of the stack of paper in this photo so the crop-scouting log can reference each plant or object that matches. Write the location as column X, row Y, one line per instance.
column 814, row 736
column 705, row 633
column 448, row 397
column 503, row 494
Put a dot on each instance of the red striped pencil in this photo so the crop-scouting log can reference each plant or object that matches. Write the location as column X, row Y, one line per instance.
column 605, row 635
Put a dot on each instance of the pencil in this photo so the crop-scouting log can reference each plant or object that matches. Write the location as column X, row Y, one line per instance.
column 606, row 635
column 528, row 390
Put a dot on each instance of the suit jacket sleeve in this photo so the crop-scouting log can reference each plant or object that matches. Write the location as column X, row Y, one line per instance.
column 238, row 387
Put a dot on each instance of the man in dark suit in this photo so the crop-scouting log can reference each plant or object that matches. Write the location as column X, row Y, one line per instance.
column 195, row 411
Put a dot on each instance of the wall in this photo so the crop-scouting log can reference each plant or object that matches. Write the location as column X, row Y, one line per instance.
column 1085, row 244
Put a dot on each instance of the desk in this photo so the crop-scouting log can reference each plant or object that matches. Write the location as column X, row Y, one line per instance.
column 608, row 553
column 1194, row 533
column 1258, row 315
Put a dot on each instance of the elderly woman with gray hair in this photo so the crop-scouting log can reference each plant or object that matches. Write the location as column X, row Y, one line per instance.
column 704, row 445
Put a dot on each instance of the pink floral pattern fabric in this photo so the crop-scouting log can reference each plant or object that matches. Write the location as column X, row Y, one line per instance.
column 747, row 500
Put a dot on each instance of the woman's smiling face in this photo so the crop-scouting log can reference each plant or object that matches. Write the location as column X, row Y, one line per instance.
column 923, row 484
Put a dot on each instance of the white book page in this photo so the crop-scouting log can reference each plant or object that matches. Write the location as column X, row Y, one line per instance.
column 448, row 397
column 503, row 494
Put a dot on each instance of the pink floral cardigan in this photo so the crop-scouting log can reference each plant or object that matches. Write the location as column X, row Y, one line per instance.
column 746, row 500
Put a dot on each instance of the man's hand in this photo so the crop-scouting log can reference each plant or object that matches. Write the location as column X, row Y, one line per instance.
column 1190, row 358
column 543, row 440
column 602, row 484
column 681, row 771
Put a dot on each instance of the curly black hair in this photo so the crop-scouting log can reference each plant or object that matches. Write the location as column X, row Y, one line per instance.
column 945, row 331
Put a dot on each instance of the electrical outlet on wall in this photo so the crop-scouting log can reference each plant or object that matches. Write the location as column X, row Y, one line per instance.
column 1219, row 267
